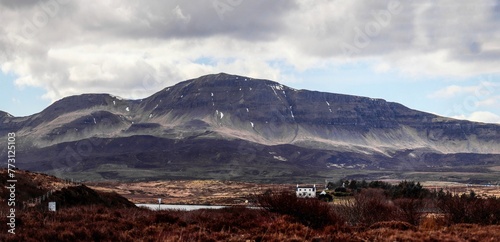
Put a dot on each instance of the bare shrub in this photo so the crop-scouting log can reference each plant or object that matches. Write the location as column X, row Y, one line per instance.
column 409, row 210
column 308, row 211
column 470, row 209
column 368, row 207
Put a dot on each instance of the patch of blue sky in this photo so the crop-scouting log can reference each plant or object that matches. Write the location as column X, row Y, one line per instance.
column 361, row 79
column 205, row 61
column 20, row 101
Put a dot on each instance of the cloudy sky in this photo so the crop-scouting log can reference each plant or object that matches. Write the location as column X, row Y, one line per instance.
column 436, row 56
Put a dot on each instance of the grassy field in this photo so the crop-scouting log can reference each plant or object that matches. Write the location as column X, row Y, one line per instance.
column 189, row 192
column 237, row 193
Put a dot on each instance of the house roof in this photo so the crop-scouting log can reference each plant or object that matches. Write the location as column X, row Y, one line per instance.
column 307, row 186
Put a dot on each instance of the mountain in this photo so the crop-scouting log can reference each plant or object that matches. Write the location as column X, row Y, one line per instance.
column 232, row 127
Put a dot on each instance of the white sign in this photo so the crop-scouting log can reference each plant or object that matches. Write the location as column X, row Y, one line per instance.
column 52, row 206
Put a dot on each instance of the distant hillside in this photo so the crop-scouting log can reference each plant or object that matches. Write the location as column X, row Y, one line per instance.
column 31, row 185
column 82, row 195
column 232, row 127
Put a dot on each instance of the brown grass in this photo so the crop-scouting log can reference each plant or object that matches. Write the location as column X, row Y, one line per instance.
column 188, row 192
column 98, row 223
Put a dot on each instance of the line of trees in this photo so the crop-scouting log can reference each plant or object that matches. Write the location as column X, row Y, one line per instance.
column 405, row 189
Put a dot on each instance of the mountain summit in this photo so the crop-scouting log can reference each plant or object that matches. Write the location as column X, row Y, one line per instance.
column 225, row 126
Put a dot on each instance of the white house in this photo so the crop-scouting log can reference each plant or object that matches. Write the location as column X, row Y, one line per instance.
column 305, row 192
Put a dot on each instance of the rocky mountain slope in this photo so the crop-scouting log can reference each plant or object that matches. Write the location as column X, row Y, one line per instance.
column 233, row 127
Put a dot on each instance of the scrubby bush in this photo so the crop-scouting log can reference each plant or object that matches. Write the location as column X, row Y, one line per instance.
column 409, row 210
column 368, row 207
column 308, row 211
column 469, row 209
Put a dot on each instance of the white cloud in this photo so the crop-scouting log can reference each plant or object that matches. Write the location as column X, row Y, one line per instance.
column 474, row 102
column 453, row 91
column 481, row 116
column 382, row 67
column 493, row 101
column 483, row 90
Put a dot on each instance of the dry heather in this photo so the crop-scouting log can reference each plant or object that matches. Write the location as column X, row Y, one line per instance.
column 32, row 184
column 98, row 223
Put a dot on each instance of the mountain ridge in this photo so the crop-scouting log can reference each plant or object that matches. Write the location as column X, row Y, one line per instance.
column 241, row 112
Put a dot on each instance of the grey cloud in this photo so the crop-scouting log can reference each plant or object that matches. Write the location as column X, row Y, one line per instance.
column 496, row 9
column 78, row 33
column 366, row 27
column 16, row 4
column 461, row 28
column 183, row 19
